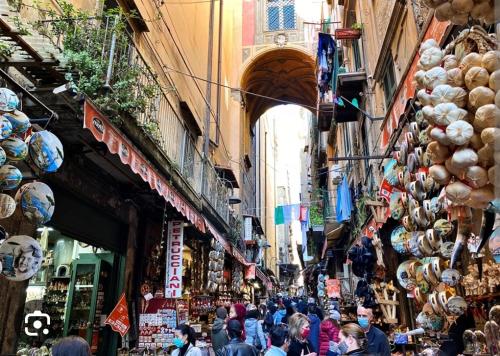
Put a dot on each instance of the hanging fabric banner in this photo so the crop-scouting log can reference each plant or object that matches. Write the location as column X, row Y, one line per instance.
column 344, row 202
column 173, row 283
column 118, row 318
column 279, row 217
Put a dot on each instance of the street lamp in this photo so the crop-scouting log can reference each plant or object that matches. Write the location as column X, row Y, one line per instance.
column 233, row 199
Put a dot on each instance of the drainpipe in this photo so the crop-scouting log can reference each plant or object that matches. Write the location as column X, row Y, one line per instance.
column 219, row 72
column 206, row 143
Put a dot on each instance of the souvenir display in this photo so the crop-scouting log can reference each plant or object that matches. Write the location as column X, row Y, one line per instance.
column 46, row 151
column 21, row 257
column 7, row 206
column 19, row 121
column 15, row 149
column 37, row 202
column 10, row 177
column 8, row 100
column 406, row 280
column 399, row 239
column 5, row 128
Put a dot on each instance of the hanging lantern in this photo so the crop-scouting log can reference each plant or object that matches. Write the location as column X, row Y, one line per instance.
column 46, row 151
column 7, row 206
column 37, row 202
column 15, row 149
column 8, row 100
column 10, row 177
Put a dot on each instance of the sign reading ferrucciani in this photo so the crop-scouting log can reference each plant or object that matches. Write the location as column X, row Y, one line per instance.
column 173, row 283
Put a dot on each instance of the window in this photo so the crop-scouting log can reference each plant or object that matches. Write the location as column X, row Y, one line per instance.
column 389, row 81
column 280, row 15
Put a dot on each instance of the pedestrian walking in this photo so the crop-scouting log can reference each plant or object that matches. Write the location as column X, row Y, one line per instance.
column 298, row 329
column 71, row 346
column 236, row 346
column 254, row 335
column 314, row 322
column 279, row 315
column 184, row 342
column 219, row 335
column 269, row 316
column 352, row 341
column 329, row 331
column 378, row 344
column 238, row 312
column 279, row 341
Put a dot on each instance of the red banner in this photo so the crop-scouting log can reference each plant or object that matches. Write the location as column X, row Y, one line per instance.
column 406, row 91
column 118, row 318
column 347, row 34
column 333, row 288
column 250, row 271
column 104, row 131
column 263, row 278
column 385, row 190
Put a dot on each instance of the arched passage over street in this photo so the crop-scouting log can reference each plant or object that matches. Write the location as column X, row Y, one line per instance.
column 281, row 73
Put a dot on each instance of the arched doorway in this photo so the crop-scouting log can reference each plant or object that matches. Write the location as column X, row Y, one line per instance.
column 286, row 73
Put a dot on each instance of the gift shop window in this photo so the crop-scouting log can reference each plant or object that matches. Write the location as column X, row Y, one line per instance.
column 69, row 294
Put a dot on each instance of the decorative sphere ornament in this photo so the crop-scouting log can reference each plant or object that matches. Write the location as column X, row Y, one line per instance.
column 46, row 151
column 7, row 206
column 404, row 277
column 37, row 202
column 15, row 149
column 5, row 128
column 457, row 305
column 8, row 100
column 21, row 257
column 450, row 277
column 10, row 177
column 19, row 121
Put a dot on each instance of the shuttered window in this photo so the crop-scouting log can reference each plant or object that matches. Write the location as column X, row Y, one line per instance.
column 281, row 15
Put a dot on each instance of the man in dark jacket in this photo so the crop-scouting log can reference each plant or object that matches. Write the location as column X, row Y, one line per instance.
column 236, row 346
column 377, row 341
column 219, row 335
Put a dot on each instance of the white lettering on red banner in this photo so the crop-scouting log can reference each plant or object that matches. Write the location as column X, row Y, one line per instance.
column 173, row 283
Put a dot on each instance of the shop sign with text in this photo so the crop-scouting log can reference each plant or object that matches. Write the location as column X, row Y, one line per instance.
column 173, row 283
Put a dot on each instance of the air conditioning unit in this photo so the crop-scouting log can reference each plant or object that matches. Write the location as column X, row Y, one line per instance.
column 336, row 174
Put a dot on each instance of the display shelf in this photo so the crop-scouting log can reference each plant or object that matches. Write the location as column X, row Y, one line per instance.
column 483, row 297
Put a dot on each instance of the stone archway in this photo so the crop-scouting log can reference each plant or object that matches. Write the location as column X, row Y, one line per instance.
column 285, row 73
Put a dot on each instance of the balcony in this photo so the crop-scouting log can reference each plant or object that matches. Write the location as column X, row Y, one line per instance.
column 102, row 61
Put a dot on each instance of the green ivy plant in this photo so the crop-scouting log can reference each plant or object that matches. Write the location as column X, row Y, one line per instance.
column 316, row 215
column 357, row 26
column 86, row 43
column 5, row 49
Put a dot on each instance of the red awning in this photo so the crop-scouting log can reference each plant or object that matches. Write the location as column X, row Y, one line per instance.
column 104, row 131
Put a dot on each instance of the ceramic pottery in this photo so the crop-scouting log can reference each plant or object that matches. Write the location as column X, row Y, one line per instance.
column 8, row 100
column 46, row 151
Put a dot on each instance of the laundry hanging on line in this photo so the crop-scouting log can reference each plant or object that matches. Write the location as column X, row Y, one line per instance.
column 285, row 214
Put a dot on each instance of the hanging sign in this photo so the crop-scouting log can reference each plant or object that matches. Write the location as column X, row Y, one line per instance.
column 173, row 283
column 347, row 34
column 104, row 131
column 250, row 271
column 118, row 318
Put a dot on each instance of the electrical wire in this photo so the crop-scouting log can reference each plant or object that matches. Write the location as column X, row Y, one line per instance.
column 247, row 92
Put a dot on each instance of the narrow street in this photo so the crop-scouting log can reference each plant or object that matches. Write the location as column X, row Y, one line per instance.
column 249, row 177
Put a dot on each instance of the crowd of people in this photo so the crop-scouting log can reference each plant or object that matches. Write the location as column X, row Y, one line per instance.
column 293, row 327
column 280, row 328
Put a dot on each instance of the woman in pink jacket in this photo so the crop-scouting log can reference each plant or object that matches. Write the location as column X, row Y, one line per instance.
column 329, row 331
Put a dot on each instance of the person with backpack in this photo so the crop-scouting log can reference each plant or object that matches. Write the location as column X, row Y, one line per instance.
column 254, row 335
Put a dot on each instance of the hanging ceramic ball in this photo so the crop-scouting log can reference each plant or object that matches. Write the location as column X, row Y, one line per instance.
column 15, row 149
column 37, row 202
column 21, row 257
column 10, row 177
column 3, row 157
column 46, row 151
column 8, row 100
column 7, row 206
column 19, row 121
column 5, row 128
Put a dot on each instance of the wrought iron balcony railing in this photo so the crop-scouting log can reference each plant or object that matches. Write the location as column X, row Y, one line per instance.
column 129, row 78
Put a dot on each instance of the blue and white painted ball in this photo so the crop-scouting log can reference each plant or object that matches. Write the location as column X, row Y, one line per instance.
column 10, row 177
column 8, row 100
column 46, row 151
column 15, row 149
column 37, row 202
column 5, row 128
column 20, row 121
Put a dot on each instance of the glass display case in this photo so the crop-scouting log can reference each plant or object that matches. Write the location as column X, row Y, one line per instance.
column 89, row 285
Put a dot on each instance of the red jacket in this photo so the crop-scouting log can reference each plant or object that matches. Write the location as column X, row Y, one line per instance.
column 328, row 332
